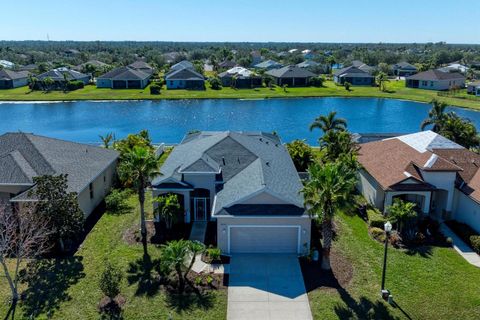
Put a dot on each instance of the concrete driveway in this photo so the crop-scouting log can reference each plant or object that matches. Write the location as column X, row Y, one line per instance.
column 266, row 286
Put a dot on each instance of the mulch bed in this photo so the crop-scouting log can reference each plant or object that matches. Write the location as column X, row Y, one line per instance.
column 157, row 233
column 223, row 259
column 211, row 234
column 316, row 278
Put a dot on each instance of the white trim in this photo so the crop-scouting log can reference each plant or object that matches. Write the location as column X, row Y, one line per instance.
column 299, row 230
column 272, row 216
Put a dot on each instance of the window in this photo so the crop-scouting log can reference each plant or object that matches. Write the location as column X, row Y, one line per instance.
column 431, row 83
column 90, row 187
column 424, row 83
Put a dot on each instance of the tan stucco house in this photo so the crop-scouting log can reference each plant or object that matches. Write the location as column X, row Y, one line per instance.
column 90, row 170
column 436, row 80
column 440, row 176
column 247, row 183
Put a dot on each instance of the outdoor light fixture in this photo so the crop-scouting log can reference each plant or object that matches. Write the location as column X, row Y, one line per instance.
column 388, row 228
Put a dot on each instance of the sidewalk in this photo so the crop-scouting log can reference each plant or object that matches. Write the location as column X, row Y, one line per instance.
column 461, row 247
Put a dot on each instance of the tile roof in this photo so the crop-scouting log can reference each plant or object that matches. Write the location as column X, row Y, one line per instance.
column 436, row 75
column 58, row 74
column 250, row 162
column 24, row 156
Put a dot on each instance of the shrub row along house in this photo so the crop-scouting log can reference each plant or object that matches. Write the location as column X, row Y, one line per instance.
column 441, row 177
column 134, row 76
column 239, row 77
column 247, row 182
column 183, row 76
column 60, row 77
column 90, row 170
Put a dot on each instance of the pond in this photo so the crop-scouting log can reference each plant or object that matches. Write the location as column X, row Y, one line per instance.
column 169, row 120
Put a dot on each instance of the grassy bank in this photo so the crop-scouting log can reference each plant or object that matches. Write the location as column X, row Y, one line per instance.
column 429, row 283
column 396, row 90
column 68, row 288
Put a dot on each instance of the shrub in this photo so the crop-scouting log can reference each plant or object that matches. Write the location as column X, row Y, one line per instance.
column 317, row 81
column 301, row 154
column 215, row 83
column 395, row 239
column 155, row 88
column 116, row 200
column 377, row 234
column 74, row 85
column 475, row 242
column 449, row 241
column 376, row 218
column 464, row 231
column 347, row 85
column 110, row 280
column 213, row 254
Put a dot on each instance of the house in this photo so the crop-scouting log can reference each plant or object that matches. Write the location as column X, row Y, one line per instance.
column 240, row 77
column 354, row 76
column 404, row 69
column 308, row 64
column 308, row 54
column 29, row 67
column 124, row 78
column 436, row 80
column 227, row 64
column 142, row 66
column 441, row 177
column 182, row 65
column 363, row 66
column 268, row 65
column 23, row 156
column 59, row 76
column 256, row 57
column 474, row 88
column 13, row 79
column 7, row 64
column 455, row 67
column 95, row 63
column 186, row 78
column 247, row 183
column 292, row 76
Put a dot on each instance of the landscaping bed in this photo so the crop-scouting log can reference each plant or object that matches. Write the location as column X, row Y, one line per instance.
column 466, row 233
column 157, row 233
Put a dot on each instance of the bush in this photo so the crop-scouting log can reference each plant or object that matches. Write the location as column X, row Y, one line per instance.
column 213, row 254
column 475, row 243
column 376, row 219
column 347, row 85
column 464, row 231
column 74, row 85
column 116, row 200
column 215, row 83
column 317, row 81
column 110, row 280
column 395, row 239
column 377, row 234
column 155, row 88
column 301, row 154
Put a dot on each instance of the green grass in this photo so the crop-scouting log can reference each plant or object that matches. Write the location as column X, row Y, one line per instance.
column 70, row 289
column 433, row 284
column 396, row 90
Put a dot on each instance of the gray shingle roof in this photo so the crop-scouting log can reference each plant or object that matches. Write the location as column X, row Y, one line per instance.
column 352, row 72
column 12, row 75
column 250, row 162
column 268, row 64
column 307, row 64
column 436, row 75
column 24, row 156
column 184, row 74
column 58, row 74
column 182, row 65
column 140, row 65
column 404, row 65
column 291, row 72
column 125, row 73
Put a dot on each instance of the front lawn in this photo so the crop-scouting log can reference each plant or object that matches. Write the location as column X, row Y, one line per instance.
column 396, row 90
column 428, row 283
column 68, row 288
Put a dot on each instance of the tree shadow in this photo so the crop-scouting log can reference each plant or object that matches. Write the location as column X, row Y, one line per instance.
column 147, row 274
column 188, row 301
column 47, row 283
column 422, row 251
column 362, row 309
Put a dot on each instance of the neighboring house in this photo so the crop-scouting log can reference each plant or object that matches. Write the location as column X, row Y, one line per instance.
column 404, row 69
column 308, row 64
column 227, row 64
column 256, row 57
column 247, row 183
column 124, row 78
column 171, row 56
column 182, row 65
column 7, row 64
column 474, row 88
column 240, row 77
column 292, row 76
column 354, row 76
column 440, row 176
column 13, row 79
column 268, row 65
column 97, row 64
column 436, row 80
column 23, row 156
column 59, row 76
column 308, row 54
column 142, row 66
column 363, row 66
column 186, row 78
column 291, row 51
column 455, row 67
column 29, row 67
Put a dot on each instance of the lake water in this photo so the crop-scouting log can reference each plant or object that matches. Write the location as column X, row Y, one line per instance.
column 169, row 120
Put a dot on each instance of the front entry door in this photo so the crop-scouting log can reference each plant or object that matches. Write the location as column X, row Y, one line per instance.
column 200, row 205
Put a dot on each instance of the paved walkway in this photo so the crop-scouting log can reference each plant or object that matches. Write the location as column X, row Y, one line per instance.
column 461, row 247
column 265, row 287
column 199, row 229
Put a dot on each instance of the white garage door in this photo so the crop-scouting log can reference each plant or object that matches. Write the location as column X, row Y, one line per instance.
column 264, row 239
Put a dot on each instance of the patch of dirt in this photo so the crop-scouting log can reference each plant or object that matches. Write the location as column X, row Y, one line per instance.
column 316, row 278
column 209, row 281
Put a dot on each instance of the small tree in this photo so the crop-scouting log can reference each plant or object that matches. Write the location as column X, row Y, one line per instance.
column 215, row 83
column 382, row 79
column 47, row 84
column 285, row 87
column 110, row 280
column 268, row 80
column 155, row 88
column 23, row 235
column 317, row 81
column 168, row 208
column 347, row 85
column 400, row 212
column 301, row 154
column 107, row 140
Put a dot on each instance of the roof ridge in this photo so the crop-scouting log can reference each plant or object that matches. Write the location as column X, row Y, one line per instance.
column 38, row 151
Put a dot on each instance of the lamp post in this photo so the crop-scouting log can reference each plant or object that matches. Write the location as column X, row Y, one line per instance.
column 387, row 227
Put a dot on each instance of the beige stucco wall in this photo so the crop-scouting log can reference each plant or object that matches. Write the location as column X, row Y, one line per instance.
column 101, row 186
column 223, row 223
column 466, row 210
column 370, row 189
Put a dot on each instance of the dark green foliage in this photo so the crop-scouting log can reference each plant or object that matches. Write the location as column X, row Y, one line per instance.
column 168, row 208
column 475, row 243
column 376, row 219
column 110, row 280
column 347, row 85
column 301, row 154
column 317, row 81
column 116, row 201
column 155, row 88
column 215, row 83
column 464, row 231
column 74, row 85
column 59, row 207
column 213, row 254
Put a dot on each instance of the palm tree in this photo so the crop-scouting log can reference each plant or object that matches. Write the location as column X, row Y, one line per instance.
column 328, row 191
column 107, row 139
column 140, row 165
column 400, row 212
column 436, row 116
column 382, row 78
column 48, row 83
column 329, row 122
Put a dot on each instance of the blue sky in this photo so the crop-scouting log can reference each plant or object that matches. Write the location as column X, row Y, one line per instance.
column 243, row 20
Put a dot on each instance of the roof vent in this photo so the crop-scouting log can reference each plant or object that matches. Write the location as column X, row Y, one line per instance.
column 238, row 159
column 266, row 142
column 268, row 164
column 223, row 160
column 261, row 139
